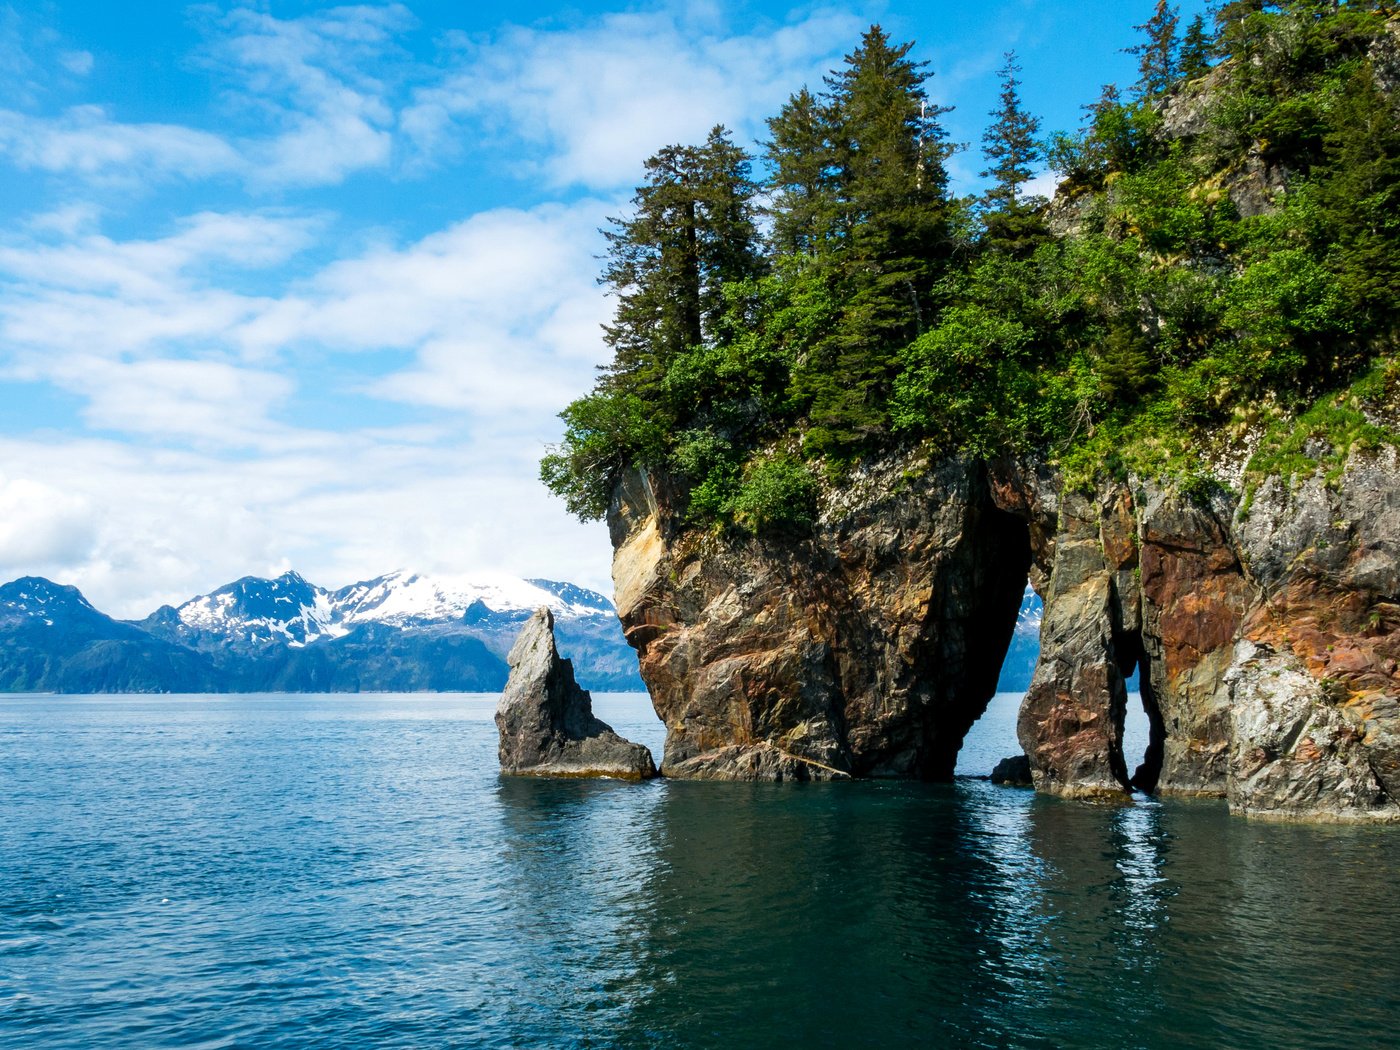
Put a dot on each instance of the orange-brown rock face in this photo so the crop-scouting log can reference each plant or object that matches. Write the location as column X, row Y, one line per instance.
column 1268, row 642
column 1194, row 595
column 866, row 649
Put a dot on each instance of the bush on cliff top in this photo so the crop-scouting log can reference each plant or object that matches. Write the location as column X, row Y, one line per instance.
column 1183, row 297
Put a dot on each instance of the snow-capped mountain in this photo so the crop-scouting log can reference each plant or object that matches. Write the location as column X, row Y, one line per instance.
column 400, row 631
column 1028, row 619
column 403, row 599
column 53, row 640
column 290, row 611
column 253, row 610
column 35, row 598
column 1021, row 655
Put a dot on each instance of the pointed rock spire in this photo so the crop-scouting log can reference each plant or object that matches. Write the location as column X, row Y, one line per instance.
column 546, row 721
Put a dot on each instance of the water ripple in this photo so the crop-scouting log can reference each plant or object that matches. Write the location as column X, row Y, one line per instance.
column 330, row 872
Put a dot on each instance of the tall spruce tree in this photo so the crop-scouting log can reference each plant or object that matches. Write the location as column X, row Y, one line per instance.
column 692, row 230
column 1011, row 147
column 890, row 232
column 1157, row 55
column 800, row 157
column 1235, row 27
column 1196, row 47
column 1010, row 144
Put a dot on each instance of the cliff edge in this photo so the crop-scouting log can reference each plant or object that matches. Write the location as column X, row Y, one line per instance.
column 1267, row 633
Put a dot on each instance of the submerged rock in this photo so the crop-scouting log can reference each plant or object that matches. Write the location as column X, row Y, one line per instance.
column 546, row 721
column 1014, row 772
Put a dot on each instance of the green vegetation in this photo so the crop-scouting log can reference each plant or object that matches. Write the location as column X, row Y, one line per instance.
column 1222, row 257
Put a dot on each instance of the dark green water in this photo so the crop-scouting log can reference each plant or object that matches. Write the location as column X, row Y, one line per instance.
column 350, row 872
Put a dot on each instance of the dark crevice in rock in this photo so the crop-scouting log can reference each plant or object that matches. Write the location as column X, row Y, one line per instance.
column 1002, row 560
column 1149, row 771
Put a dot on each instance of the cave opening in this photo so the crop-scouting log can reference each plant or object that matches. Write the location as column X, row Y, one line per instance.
column 985, row 702
column 991, row 739
column 1139, row 726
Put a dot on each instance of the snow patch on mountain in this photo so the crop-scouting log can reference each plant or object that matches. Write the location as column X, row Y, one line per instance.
column 40, row 598
column 1032, row 611
column 403, row 598
column 287, row 609
column 296, row 613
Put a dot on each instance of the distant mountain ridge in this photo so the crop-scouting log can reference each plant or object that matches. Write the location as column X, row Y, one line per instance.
column 1019, row 665
column 398, row 632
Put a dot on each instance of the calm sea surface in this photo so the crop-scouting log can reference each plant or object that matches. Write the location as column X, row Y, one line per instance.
column 350, row 871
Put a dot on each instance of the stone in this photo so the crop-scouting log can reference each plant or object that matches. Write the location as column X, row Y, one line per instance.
column 546, row 721
column 864, row 649
column 869, row 646
column 1013, row 772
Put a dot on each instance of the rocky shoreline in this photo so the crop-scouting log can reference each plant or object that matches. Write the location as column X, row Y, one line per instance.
column 1266, row 630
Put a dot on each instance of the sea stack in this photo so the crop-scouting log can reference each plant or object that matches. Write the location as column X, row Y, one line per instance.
column 546, row 721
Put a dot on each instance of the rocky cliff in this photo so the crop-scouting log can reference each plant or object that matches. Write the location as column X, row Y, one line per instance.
column 1267, row 631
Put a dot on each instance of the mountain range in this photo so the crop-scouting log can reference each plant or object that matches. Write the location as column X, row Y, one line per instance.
column 402, row 632
column 399, row 632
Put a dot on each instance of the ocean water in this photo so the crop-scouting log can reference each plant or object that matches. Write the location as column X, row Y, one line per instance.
column 350, row 871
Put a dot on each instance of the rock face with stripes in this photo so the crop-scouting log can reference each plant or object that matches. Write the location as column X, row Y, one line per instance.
column 1266, row 631
column 546, row 721
column 864, row 648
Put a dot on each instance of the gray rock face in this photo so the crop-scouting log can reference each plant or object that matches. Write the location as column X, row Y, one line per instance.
column 546, row 721
column 865, row 649
column 1267, row 632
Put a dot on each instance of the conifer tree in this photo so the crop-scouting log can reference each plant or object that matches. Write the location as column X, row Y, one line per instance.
column 892, row 211
column 1009, row 144
column 1234, row 34
column 799, row 154
column 692, row 230
column 1195, row 50
column 890, row 232
column 1157, row 55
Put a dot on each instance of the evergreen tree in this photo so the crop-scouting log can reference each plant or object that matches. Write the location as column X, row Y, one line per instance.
column 1196, row 49
column 1235, row 34
column 799, row 154
column 891, row 232
column 1360, row 201
column 692, row 230
column 1010, row 144
column 1157, row 55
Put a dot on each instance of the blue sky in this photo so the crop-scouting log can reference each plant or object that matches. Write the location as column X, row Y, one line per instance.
column 293, row 285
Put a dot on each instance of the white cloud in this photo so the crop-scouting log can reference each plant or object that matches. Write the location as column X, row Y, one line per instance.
column 305, row 111
column 497, row 315
column 501, row 311
column 336, row 118
column 163, row 526
column 42, row 526
column 79, row 63
column 1043, row 184
column 596, row 101
column 85, row 140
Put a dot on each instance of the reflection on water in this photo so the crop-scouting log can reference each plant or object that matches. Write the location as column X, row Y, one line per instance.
column 340, row 871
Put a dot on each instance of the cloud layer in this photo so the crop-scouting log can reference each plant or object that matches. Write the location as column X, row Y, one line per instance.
column 325, row 315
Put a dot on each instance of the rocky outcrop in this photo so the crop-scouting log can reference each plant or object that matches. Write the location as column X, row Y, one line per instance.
column 1013, row 772
column 865, row 649
column 546, row 721
column 1266, row 632
column 1315, row 680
